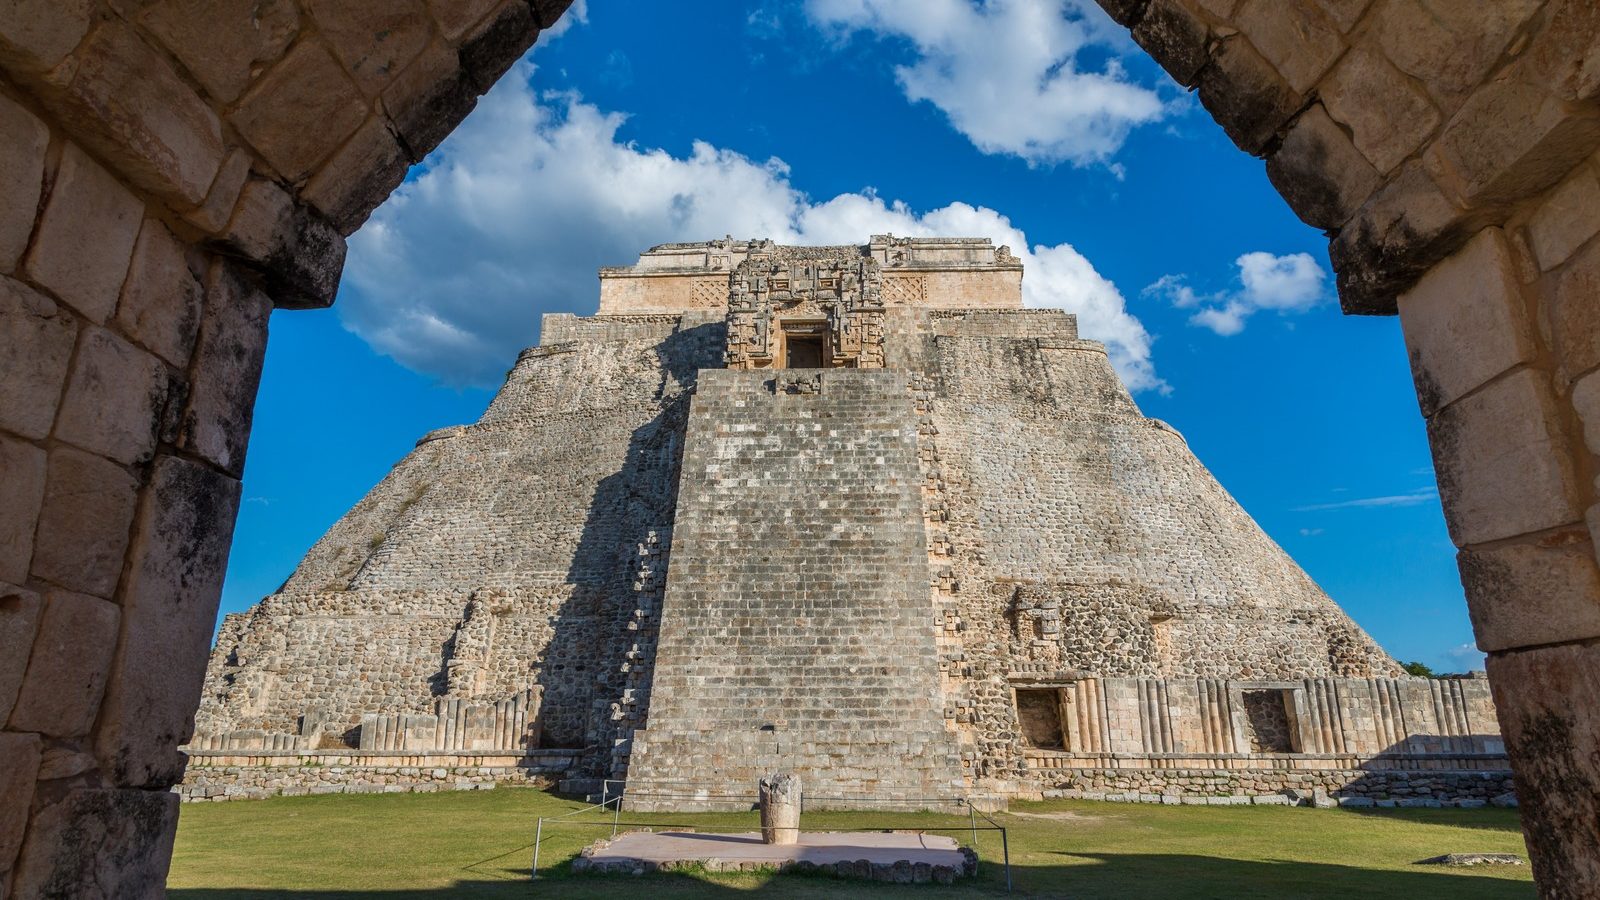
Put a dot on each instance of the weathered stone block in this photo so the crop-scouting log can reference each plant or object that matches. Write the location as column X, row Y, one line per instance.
column 1565, row 54
column 359, row 177
column 98, row 844
column 21, row 176
column 1502, row 462
column 1512, row 139
column 1586, row 400
column 38, row 337
column 1448, row 46
column 85, row 237
column 227, row 369
column 546, row 12
column 1566, row 219
column 1552, row 727
column 19, row 623
column 67, row 668
column 160, row 305
column 212, row 215
column 37, row 34
column 114, row 399
column 1401, row 231
column 1124, row 12
column 1243, row 92
column 1319, row 171
column 169, row 606
column 1465, row 321
column 21, row 492
column 83, row 528
column 1542, row 592
column 375, row 39
column 17, row 776
column 1175, row 38
column 221, row 42
column 1574, row 313
column 1388, row 118
column 301, row 253
column 1344, row 13
column 142, row 117
column 308, row 85
column 429, row 99
column 1294, row 36
column 490, row 50
column 456, row 17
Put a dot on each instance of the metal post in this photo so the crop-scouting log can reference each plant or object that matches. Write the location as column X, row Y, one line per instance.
column 972, row 816
column 1005, row 847
column 616, row 813
column 538, row 836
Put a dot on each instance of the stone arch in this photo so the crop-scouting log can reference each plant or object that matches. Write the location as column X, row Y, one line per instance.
column 171, row 170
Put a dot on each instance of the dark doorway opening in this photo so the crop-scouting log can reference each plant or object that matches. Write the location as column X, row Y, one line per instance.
column 1039, row 711
column 803, row 352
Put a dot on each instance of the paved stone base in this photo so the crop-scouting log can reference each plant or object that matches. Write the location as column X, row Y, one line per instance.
column 897, row 857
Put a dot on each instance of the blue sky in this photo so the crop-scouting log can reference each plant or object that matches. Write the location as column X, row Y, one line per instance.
column 1032, row 121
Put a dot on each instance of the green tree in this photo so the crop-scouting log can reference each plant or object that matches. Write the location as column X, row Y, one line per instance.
column 1419, row 669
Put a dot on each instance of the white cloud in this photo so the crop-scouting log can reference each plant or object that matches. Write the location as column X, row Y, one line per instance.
column 519, row 207
column 1285, row 284
column 1007, row 73
column 1412, row 498
column 1467, row 657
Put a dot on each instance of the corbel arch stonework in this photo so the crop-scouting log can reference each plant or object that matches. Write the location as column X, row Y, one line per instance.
column 171, row 170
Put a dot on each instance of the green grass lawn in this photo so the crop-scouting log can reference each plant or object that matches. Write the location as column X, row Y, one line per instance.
column 478, row 844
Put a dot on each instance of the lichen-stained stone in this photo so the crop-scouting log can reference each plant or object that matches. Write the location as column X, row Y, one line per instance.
column 21, row 753
column 169, row 610
column 98, row 844
column 359, row 177
column 160, row 306
column 1402, row 230
column 546, row 12
column 38, row 336
column 490, row 50
column 1555, row 738
column 21, row 492
column 125, row 98
column 1574, row 312
column 375, row 39
column 37, row 34
column 1512, row 139
column 1243, row 92
column 21, row 177
column 81, row 249
column 1294, row 36
column 303, row 253
column 222, row 42
column 1502, row 462
column 83, row 526
column 1388, row 117
column 1447, row 45
column 1175, row 38
column 429, row 98
column 114, row 399
column 1125, row 12
column 1466, row 321
column 307, row 86
column 67, row 669
column 227, row 369
column 19, row 622
column 1541, row 591
column 1319, row 172
column 1566, row 219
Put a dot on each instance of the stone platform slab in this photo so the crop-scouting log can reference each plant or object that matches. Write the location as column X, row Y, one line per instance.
column 882, row 856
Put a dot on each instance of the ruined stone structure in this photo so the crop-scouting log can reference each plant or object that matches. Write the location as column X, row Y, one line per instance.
column 866, row 519
column 159, row 192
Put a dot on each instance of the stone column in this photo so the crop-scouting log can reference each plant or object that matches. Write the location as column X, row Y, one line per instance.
column 780, row 808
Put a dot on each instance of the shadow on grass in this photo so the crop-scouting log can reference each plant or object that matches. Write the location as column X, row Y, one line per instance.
column 1127, row 875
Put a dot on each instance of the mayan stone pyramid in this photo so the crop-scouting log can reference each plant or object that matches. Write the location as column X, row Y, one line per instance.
column 839, row 510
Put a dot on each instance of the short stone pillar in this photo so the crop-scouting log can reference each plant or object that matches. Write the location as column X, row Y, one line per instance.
column 780, row 808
